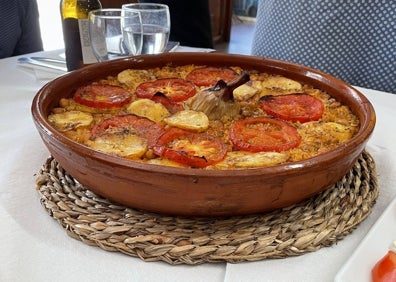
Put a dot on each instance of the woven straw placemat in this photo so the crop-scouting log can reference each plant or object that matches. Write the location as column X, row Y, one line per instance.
column 305, row 227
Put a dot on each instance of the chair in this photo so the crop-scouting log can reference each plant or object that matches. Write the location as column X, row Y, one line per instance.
column 352, row 40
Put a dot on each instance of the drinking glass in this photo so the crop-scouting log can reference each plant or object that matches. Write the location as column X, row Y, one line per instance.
column 155, row 24
column 108, row 29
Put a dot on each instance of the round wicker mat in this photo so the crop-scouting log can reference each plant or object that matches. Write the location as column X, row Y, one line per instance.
column 305, row 227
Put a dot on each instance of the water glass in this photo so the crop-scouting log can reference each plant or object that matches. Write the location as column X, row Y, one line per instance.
column 108, row 29
column 155, row 24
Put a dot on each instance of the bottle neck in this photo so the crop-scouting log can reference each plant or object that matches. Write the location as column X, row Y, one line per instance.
column 78, row 9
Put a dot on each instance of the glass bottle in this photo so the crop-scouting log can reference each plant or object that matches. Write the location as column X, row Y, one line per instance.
column 74, row 15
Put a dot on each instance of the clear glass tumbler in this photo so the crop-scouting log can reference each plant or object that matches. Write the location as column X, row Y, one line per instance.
column 155, row 23
column 109, row 33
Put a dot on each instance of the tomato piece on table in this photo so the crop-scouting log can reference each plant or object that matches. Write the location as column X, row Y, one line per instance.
column 102, row 96
column 176, row 89
column 209, row 76
column 293, row 107
column 129, row 123
column 263, row 134
column 385, row 269
column 197, row 150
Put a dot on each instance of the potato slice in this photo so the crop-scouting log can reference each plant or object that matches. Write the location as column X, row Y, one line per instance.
column 241, row 159
column 65, row 121
column 326, row 132
column 165, row 162
column 123, row 145
column 189, row 119
column 247, row 90
column 279, row 84
column 132, row 77
column 340, row 131
column 149, row 109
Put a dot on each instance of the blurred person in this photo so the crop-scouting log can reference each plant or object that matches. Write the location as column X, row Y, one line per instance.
column 19, row 28
column 190, row 22
column 352, row 40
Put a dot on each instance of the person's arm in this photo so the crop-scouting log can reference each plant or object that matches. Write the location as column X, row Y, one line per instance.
column 30, row 39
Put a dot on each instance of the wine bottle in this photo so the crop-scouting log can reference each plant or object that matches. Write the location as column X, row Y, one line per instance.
column 75, row 26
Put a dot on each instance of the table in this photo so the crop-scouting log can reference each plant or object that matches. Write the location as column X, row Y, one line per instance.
column 34, row 247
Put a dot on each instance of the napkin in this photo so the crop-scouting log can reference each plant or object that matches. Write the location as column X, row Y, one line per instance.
column 192, row 49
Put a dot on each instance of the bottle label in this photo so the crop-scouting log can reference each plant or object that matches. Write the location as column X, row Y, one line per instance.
column 88, row 55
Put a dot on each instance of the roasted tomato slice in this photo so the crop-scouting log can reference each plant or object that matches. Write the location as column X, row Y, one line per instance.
column 102, row 96
column 176, row 89
column 293, row 107
column 209, row 76
column 189, row 148
column 260, row 134
column 129, row 123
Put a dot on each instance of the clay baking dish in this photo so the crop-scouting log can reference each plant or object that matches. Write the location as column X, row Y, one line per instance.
column 197, row 192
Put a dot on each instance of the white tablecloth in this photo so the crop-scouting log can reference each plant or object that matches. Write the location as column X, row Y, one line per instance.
column 34, row 247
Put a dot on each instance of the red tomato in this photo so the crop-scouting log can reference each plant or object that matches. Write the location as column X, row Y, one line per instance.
column 259, row 134
column 293, row 107
column 129, row 123
column 102, row 96
column 209, row 76
column 189, row 148
column 176, row 89
column 385, row 269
